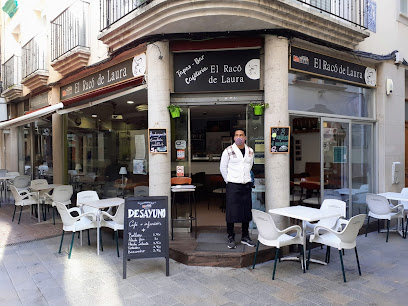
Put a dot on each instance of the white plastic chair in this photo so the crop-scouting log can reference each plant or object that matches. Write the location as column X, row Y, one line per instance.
column 141, row 191
column 345, row 239
column 271, row 236
column 72, row 224
column 87, row 196
column 115, row 222
column 22, row 199
column 60, row 194
column 380, row 209
column 334, row 206
column 21, row 182
column 404, row 191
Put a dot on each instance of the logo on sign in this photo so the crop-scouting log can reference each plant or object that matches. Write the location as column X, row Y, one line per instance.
column 139, row 65
column 301, row 59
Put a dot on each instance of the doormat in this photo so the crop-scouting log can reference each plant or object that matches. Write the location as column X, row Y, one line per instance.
column 218, row 247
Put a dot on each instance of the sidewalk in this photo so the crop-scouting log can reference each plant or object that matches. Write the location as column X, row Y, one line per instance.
column 35, row 274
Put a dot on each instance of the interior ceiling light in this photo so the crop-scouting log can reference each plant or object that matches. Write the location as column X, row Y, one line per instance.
column 130, row 102
column 142, row 107
column 94, row 115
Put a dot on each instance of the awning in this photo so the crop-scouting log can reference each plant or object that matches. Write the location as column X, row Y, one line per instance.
column 30, row 117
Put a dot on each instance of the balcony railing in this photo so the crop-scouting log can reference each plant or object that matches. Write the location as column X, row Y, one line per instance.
column 11, row 72
column 69, row 29
column 114, row 10
column 353, row 11
column 33, row 57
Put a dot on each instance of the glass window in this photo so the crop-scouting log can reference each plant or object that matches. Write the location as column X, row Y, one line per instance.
column 404, row 7
column 311, row 94
column 107, row 147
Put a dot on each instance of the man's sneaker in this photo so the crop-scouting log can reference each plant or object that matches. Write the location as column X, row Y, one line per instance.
column 231, row 243
column 246, row 240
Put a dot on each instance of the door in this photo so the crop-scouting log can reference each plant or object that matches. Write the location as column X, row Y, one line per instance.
column 335, row 178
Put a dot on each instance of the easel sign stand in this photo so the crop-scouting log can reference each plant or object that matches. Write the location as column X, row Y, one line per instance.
column 146, row 232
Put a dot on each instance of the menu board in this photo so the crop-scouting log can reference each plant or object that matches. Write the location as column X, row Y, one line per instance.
column 158, row 140
column 280, row 139
column 146, row 232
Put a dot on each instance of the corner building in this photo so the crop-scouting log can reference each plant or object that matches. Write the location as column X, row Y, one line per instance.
column 112, row 68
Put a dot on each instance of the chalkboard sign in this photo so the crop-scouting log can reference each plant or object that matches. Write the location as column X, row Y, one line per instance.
column 146, row 232
column 280, row 139
column 158, row 140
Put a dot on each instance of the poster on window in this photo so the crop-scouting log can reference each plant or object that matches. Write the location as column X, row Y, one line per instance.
column 139, row 166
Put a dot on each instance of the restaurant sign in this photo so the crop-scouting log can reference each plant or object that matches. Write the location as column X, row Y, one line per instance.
column 216, row 71
column 322, row 65
column 123, row 71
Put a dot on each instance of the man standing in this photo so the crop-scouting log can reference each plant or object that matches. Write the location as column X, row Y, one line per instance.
column 235, row 166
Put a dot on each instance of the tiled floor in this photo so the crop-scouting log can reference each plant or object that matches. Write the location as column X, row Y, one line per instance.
column 28, row 229
column 35, row 274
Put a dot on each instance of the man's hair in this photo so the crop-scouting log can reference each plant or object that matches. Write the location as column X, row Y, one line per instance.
column 239, row 130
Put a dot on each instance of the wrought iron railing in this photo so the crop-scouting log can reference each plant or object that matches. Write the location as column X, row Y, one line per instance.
column 353, row 11
column 12, row 72
column 33, row 56
column 69, row 29
column 114, row 10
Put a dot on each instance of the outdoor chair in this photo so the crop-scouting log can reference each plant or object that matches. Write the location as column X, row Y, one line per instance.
column 60, row 194
column 21, row 182
column 345, row 239
column 115, row 222
column 22, row 198
column 380, row 208
column 87, row 196
column 85, row 221
column 271, row 236
column 332, row 205
column 404, row 191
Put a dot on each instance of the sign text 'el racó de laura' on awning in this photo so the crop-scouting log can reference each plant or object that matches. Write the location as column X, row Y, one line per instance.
column 310, row 62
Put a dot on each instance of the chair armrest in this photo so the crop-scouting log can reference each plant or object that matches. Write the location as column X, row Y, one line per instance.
column 400, row 207
column 320, row 227
column 339, row 224
column 91, row 214
column 28, row 194
column 296, row 228
column 104, row 213
column 75, row 209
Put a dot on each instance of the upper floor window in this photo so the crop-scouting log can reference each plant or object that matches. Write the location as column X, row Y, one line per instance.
column 33, row 56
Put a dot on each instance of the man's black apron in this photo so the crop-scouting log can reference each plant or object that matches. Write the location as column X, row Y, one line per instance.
column 239, row 202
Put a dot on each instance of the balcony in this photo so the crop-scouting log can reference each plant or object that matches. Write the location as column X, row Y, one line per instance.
column 69, row 38
column 340, row 22
column 34, row 69
column 12, row 87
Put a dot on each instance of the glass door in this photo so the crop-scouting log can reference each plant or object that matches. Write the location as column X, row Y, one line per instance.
column 335, row 166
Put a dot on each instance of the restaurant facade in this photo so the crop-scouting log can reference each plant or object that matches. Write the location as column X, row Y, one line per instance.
column 344, row 123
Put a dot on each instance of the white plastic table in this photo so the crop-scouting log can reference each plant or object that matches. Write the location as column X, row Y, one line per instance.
column 101, row 204
column 306, row 214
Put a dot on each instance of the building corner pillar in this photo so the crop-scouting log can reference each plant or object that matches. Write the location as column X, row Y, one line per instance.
column 58, row 151
column 277, row 185
column 158, row 94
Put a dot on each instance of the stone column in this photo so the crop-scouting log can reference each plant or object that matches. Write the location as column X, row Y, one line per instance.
column 58, row 149
column 391, row 126
column 277, row 186
column 158, row 94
